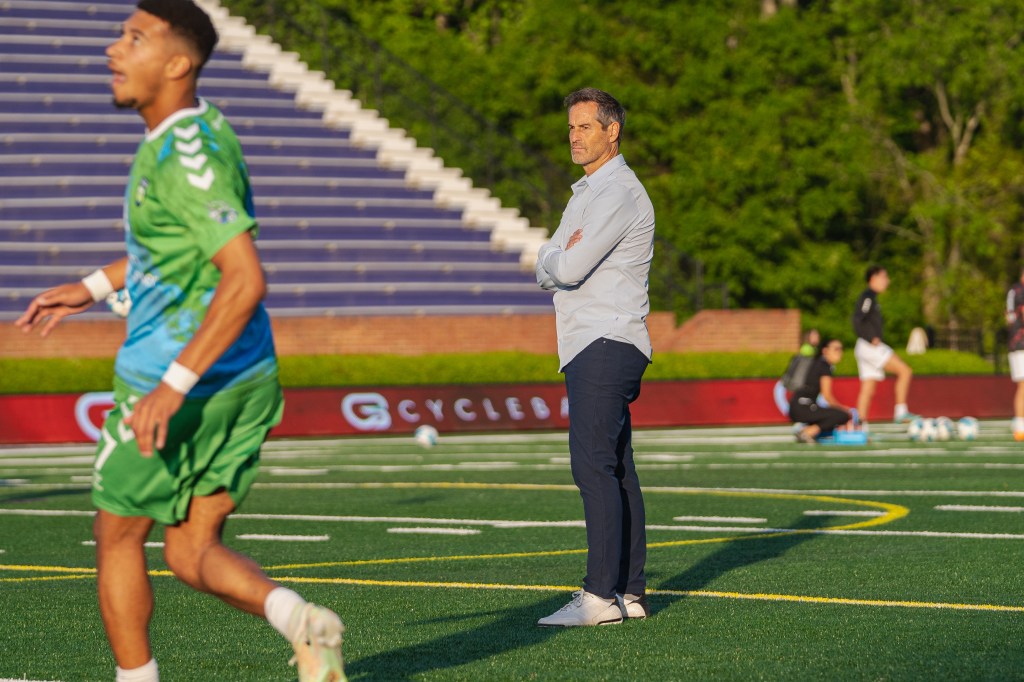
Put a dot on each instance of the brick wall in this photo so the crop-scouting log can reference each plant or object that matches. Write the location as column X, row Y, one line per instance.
column 710, row 330
column 739, row 330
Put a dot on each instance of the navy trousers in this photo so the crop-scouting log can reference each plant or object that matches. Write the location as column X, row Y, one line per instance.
column 600, row 383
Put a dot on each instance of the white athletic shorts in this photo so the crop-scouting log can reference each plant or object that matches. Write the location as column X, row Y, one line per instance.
column 871, row 359
column 1017, row 365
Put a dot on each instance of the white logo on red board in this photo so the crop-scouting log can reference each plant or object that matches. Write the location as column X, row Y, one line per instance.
column 366, row 411
column 91, row 409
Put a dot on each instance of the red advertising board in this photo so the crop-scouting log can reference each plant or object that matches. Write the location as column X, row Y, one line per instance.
column 342, row 412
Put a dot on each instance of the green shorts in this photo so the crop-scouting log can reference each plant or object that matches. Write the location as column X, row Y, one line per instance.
column 212, row 444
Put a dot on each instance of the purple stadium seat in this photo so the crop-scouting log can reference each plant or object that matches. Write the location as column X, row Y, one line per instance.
column 339, row 232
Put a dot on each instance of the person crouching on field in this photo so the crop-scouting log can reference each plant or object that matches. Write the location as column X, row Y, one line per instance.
column 804, row 406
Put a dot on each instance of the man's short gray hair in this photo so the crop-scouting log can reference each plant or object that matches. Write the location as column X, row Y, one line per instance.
column 608, row 108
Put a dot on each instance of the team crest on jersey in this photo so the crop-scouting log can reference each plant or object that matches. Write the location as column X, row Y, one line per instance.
column 221, row 212
column 140, row 191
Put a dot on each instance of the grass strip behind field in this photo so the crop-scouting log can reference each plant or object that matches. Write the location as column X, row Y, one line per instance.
column 73, row 375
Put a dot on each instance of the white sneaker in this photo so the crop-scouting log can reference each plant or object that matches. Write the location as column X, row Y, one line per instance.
column 633, row 606
column 318, row 646
column 584, row 609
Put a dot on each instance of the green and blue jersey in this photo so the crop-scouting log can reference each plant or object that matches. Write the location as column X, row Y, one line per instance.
column 188, row 195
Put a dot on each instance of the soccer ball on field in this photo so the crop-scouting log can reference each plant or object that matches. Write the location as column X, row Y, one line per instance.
column 943, row 428
column 914, row 428
column 926, row 433
column 426, row 436
column 967, row 428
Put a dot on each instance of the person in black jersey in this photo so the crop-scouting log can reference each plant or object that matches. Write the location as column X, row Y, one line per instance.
column 804, row 406
column 1015, row 343
column 874, row 357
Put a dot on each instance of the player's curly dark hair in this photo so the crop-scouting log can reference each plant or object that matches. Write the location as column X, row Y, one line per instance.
column 188, row 21
column 608, row 108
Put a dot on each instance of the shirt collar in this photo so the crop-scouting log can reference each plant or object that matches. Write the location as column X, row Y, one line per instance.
column 198, row 110
column 601, row 176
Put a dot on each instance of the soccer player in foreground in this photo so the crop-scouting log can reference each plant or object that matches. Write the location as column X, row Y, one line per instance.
column 597, row 263
column 196, row 388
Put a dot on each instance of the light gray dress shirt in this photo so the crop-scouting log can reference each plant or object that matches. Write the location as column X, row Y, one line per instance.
column 600, row 283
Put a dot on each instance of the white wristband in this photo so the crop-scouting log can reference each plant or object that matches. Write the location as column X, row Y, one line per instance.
column 99, row 285
column 180, row 378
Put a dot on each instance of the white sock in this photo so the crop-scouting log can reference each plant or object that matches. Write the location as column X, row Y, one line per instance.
column 901, row 409
column 1018, row 424
column 279, row 606
column 145, row 673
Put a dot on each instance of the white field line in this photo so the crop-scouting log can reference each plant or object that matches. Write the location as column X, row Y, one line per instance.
column 721, row 519
column 891, row 466
column 331, row 454
column 283, row 471
column 842, row 512
column 841, row 492
column 53, row 486
column 508, row 524
column 662, row 457
column 68, row 471
column 283, row 538
column 152, row 544
column 46, row 512
column 342, row 452
column 45, row 450
column 557, row 463
column 22, row 679
column 10, row 462
column 436, row 531
column 872, row 533
column 888, row 493
column 461, row 466
column 978, row 508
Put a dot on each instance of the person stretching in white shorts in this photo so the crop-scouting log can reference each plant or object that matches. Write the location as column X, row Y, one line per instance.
column 875, row 359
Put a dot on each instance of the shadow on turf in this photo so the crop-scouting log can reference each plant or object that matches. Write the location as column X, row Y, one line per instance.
column 733, row 555
column 514, row 628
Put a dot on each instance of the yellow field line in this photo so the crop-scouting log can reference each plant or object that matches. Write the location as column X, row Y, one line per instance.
column 842, row 601
column 41, row 578
column 362, row 582
column 47, row 569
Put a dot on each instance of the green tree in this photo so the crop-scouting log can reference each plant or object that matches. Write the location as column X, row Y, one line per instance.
column 937, row 88
column 786, row 144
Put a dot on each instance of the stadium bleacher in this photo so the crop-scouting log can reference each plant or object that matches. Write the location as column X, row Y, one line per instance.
column 344, row 228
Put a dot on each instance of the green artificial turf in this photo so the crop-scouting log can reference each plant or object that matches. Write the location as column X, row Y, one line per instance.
column 932, row 594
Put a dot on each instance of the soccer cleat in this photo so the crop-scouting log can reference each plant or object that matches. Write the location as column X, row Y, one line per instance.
column 584, row 609
column 1018, row 436
column 905, row 418
column 804, row 437
column 633, row 606
column 318, row 646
